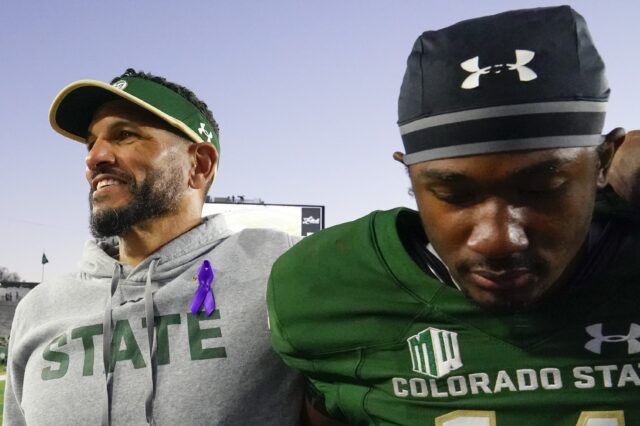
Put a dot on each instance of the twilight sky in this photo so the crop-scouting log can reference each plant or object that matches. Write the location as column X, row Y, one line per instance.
column 305, row 93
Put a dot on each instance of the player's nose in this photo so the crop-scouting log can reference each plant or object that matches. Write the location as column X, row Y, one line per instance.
column 498, row 230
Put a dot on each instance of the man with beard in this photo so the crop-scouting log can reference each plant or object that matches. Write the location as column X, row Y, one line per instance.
column 511, row 297
column 165, row 321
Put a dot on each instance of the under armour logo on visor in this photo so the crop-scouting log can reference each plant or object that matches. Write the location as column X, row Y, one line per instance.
column 204, row 132
column 523, row 57
column 595, row 345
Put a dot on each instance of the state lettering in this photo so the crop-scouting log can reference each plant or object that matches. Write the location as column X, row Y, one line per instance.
column 126, row 348
column 607, row 376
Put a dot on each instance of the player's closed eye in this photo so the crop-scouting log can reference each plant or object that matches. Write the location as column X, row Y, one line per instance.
column 455, row 197
column 544, row 188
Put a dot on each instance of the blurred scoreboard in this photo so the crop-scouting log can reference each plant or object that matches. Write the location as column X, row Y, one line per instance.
column 294, row 219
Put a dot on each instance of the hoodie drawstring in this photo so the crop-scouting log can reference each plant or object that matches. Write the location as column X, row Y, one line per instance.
column 107, row 331
column 152, row 366
column 107, row 335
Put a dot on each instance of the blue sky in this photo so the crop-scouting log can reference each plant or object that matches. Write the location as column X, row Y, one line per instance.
column 305, row 93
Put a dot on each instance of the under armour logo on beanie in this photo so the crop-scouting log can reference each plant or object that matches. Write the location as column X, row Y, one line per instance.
column 523, row 57
column 519, row 80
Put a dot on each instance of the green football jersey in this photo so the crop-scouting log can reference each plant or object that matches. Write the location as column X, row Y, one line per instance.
column 383, row 342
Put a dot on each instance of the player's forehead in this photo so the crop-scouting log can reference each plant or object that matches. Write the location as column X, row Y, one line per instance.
column 123, row 111
column 505, row 164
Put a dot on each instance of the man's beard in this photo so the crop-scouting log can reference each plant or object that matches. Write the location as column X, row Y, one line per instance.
column 158, row 194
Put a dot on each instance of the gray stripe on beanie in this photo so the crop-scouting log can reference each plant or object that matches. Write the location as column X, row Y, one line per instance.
column 489, row 147
column 503, row 111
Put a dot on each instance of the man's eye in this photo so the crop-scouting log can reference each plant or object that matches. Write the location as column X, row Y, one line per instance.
column 126, row 134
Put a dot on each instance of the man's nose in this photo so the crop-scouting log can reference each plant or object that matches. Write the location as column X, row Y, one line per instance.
column 498, row 229
column 100, row 152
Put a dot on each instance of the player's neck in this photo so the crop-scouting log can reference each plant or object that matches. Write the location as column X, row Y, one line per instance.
column 568, row 277
column 147, row 237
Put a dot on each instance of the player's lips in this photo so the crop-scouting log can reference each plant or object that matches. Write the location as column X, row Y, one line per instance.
column 510, row 279
column 103, row 183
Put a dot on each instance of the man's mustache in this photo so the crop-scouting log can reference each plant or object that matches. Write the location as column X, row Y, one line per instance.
column 517, row 261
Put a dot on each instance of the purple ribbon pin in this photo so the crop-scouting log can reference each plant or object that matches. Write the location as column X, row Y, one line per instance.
column 204, row 293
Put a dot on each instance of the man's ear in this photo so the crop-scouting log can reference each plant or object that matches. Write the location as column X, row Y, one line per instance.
column 399, row 157
column 606, row 152
column 204, row 160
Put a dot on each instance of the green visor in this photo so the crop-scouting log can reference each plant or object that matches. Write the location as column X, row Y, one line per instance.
column 74, row 107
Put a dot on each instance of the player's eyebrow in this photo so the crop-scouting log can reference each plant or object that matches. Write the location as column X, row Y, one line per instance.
column 443, row 175
column 544, row 167
column 548, row 166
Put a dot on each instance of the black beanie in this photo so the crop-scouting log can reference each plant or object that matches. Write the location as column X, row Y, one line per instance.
column 519, row 80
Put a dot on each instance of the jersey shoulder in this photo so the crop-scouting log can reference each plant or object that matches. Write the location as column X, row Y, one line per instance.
column 610, row 206
column 336, row 245
column 321, row 278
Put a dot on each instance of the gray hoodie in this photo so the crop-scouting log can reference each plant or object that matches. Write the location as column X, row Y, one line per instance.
column 194, row 370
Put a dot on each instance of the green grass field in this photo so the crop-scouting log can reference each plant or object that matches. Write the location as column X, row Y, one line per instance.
column 2, row 400
column 2, row 371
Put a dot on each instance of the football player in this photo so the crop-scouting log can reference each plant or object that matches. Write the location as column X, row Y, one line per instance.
column 510, row 297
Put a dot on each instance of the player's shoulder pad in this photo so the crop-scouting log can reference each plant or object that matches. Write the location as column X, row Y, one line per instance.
column 335, row 278
column 610, row 205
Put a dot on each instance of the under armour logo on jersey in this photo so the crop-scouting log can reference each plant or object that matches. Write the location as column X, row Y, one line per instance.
column 204, row 132
column 595, row 345
column 434, row 352
column 523, row 57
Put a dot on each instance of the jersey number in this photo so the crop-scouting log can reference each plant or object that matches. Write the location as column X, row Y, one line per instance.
column 488, row 418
